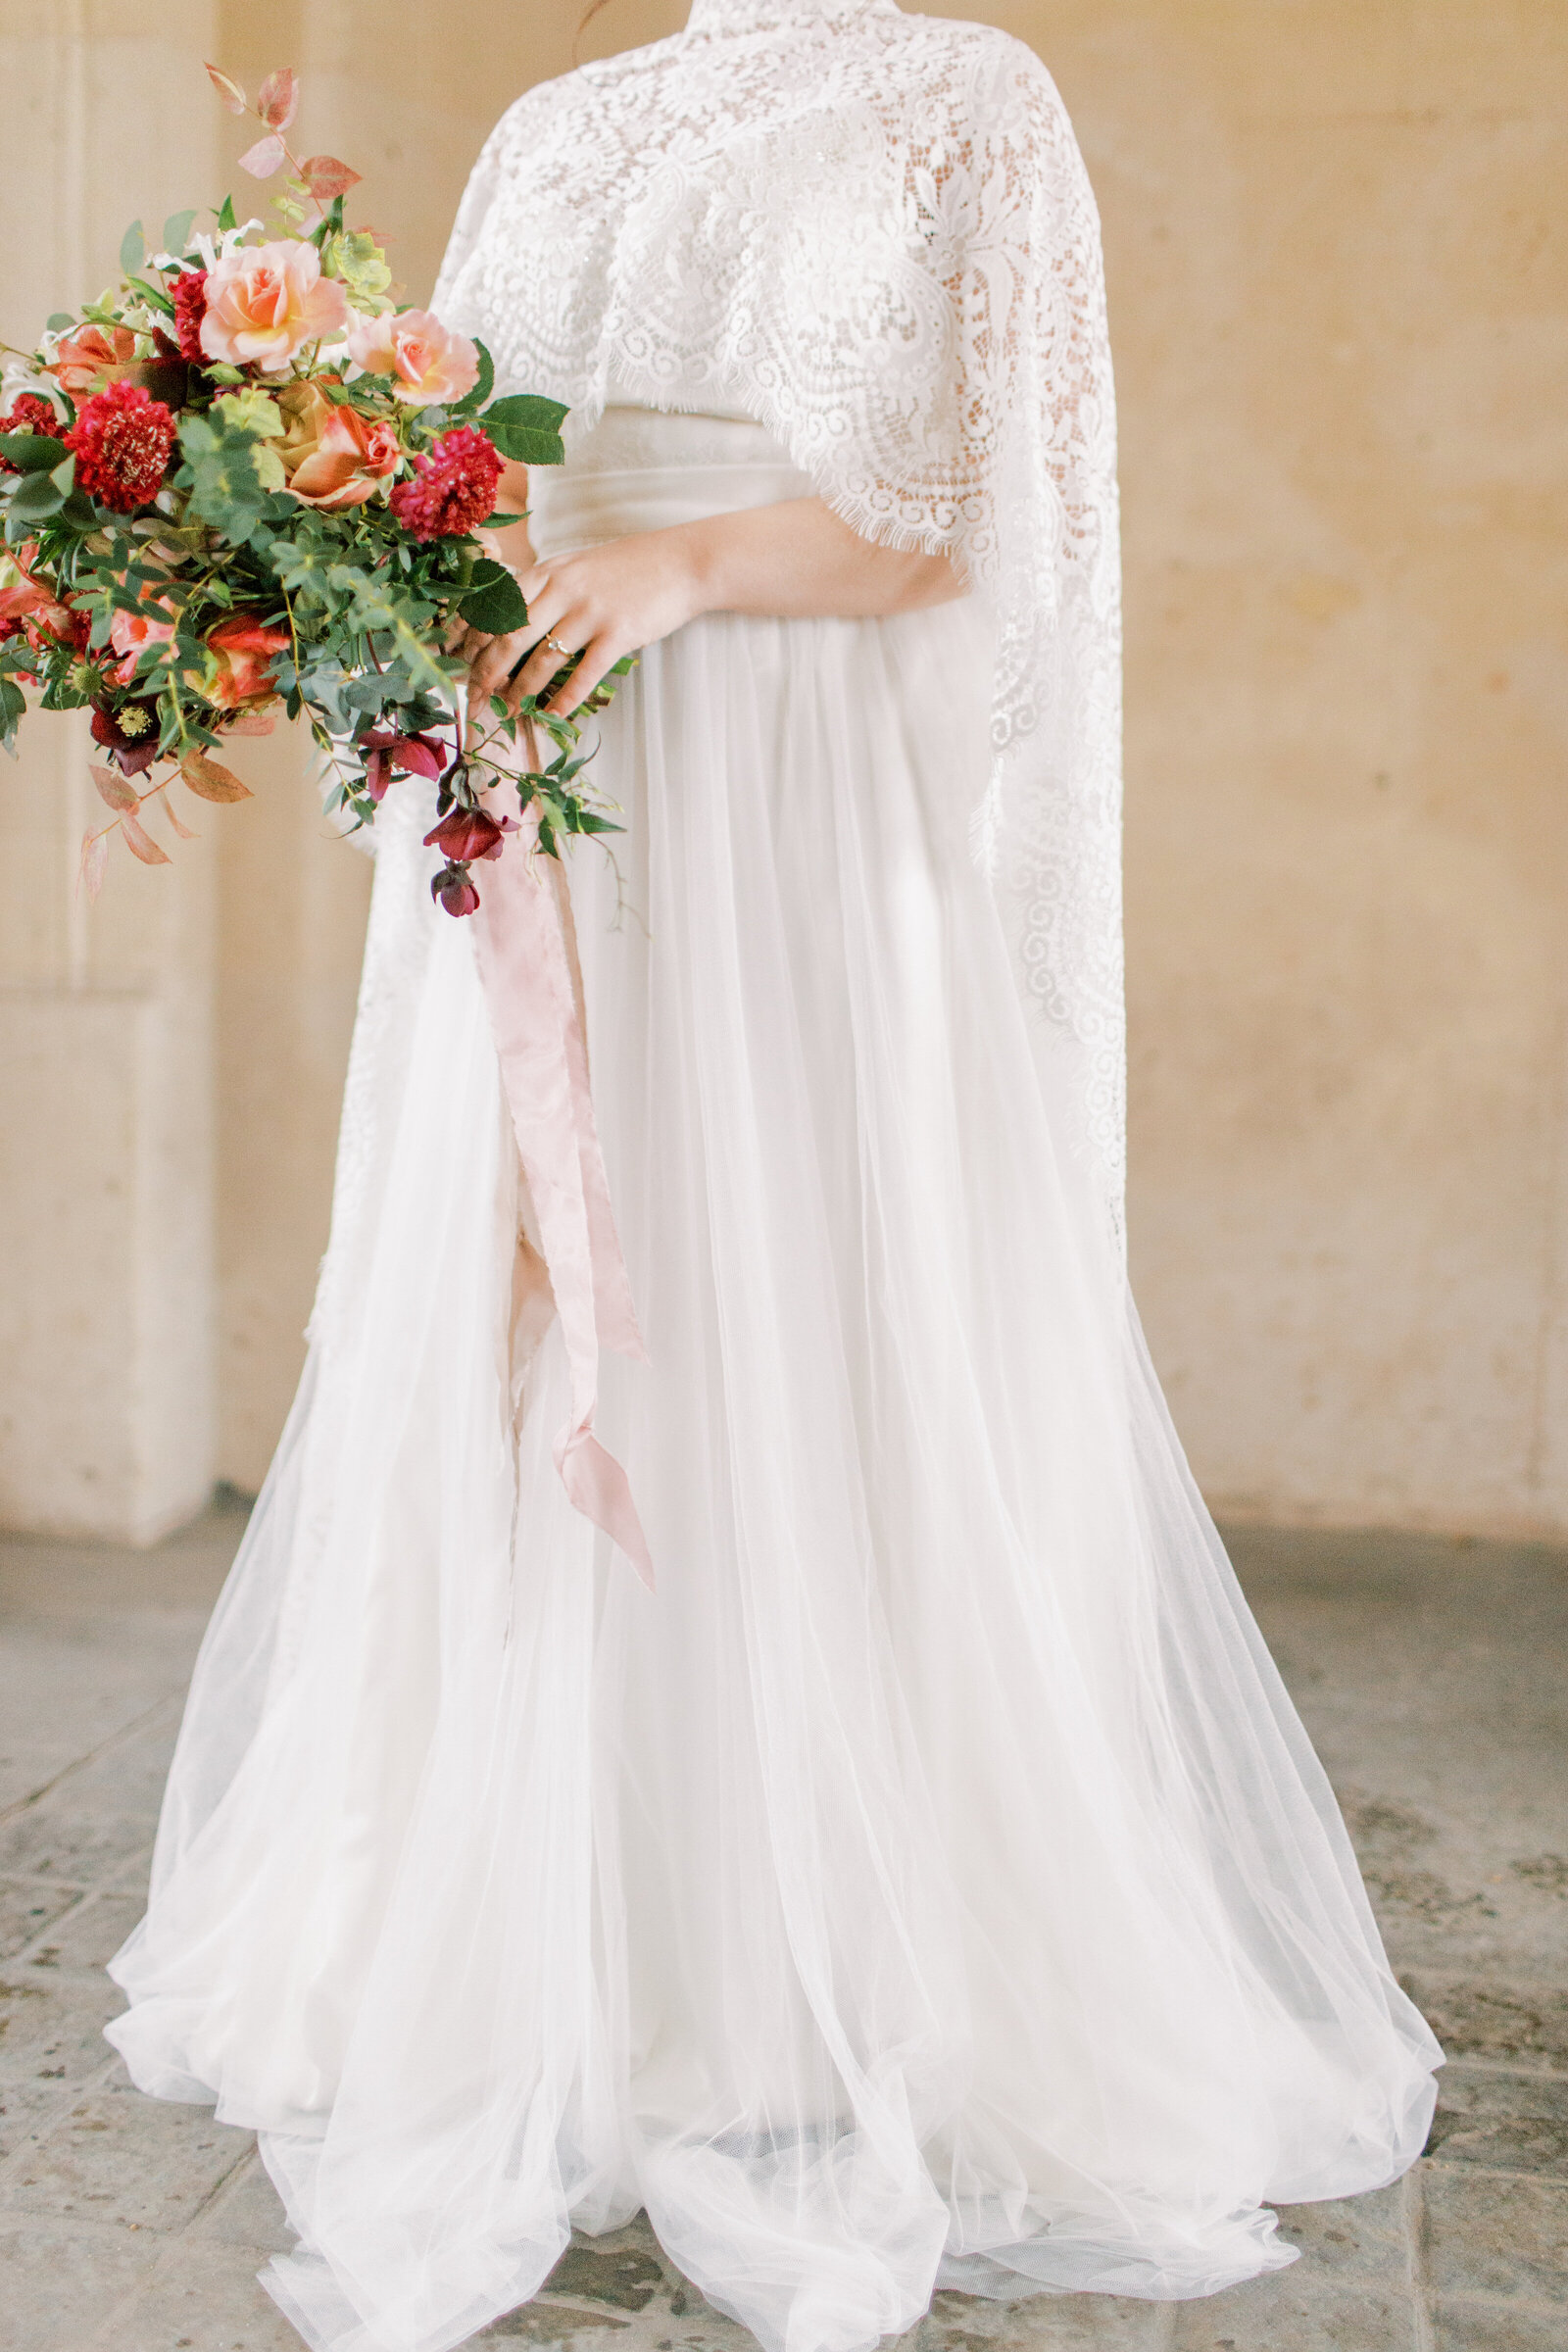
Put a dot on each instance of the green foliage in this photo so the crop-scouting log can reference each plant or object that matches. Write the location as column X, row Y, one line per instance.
column 152, row 294
column 356, row 611
column 38, row 495
column 494, row 601
column 230, row 473
column 526, row 427
column 34, row 453
column 354, row 257
column 483, row 387
column 252, row 410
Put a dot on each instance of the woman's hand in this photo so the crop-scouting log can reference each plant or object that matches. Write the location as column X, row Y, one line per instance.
column 602, row 603
column 796, row 561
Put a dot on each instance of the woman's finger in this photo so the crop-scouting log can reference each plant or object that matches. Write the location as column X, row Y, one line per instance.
column 599, row 657
column 488, row 674
column 555, row 645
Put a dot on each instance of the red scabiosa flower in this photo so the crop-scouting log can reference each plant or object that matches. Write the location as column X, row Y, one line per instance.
column 454, row 488
column 123, row 439
column 31, row 412
column 468, row 833
column 189, row 291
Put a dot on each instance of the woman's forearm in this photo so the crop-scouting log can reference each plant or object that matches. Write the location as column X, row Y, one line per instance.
column 799, row 561
column 796, row 561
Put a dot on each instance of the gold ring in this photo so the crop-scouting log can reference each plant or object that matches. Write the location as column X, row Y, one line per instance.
column 555, row 647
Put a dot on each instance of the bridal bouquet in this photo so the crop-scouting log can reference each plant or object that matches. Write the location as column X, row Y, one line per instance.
column 243, row 479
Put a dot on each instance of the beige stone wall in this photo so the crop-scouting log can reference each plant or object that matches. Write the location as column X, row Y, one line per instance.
column 1336, row 251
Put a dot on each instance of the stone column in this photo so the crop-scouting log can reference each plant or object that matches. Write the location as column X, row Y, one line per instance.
column 107, row 1412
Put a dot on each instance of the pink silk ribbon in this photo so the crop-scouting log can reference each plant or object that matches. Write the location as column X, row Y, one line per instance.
column 528, row 964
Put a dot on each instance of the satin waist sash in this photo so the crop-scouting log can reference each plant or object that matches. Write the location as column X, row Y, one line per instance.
column 641, row 470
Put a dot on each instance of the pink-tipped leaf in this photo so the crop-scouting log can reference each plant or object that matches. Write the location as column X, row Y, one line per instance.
column 185, row 832
column 210, row 780
column 228, row 90
column 279, row 98
column 94, row 858
column 115, row 789
column 325, row 176
column 140, row 843
column 263, row 160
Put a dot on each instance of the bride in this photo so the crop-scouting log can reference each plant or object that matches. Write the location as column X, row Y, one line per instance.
column 928, row 1883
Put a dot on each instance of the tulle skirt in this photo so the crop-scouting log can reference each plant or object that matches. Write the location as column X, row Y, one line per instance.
column 931, row 1884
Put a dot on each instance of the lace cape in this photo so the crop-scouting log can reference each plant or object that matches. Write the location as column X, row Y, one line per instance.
column 873, row 233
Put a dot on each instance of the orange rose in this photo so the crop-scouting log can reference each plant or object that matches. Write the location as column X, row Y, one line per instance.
column 95, row 355
column 333, row 457
column 243, row 652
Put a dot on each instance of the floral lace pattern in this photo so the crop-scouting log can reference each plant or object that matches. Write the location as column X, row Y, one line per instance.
column 874, row 235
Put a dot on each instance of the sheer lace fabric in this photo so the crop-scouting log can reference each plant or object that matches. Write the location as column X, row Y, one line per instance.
column 874, row 235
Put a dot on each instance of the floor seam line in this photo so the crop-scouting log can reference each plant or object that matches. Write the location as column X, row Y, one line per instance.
column 1493, row 2172
column 1414, row 2209
column 105, row 1748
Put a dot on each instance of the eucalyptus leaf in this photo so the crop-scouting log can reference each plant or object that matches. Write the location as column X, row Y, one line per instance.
column 132, row 248
column 176, row 232
column 34, row 453
column 59, row 321
column 35, row 497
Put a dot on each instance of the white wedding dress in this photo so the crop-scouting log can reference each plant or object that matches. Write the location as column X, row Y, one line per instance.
column 930, row 1883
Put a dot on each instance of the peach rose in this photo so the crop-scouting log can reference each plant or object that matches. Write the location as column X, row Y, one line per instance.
column 130, row 632
column 95, row 355
column 243, row 650
column 266, row 302
column 427, row 362
column 333, row 457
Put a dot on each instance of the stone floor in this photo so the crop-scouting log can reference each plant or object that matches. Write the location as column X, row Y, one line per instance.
column 1431, row 1675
